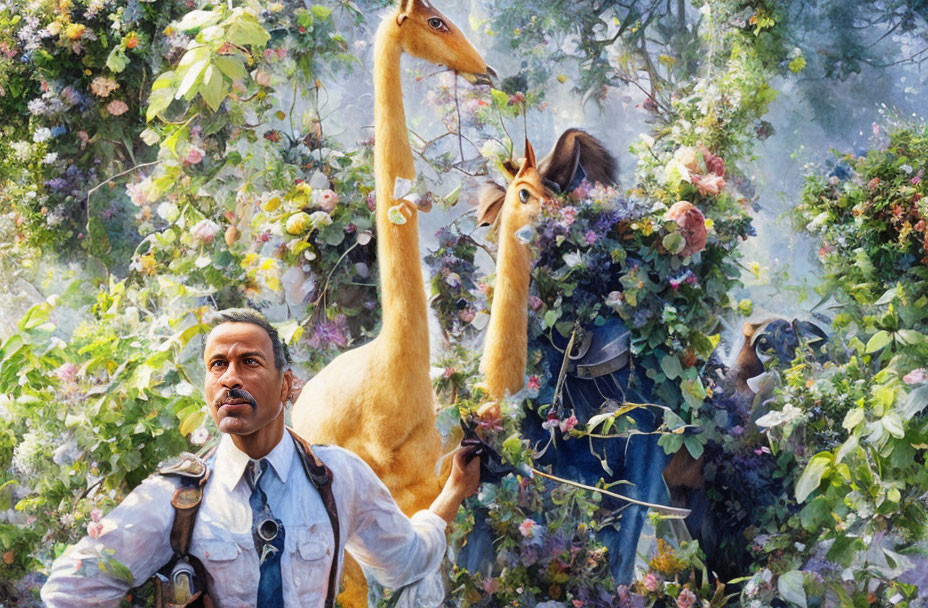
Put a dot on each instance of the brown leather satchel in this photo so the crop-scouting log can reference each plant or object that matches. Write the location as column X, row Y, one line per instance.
column 181, row 583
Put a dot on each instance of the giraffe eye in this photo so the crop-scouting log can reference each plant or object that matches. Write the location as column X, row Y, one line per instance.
column 437, row 24
column 524, row 195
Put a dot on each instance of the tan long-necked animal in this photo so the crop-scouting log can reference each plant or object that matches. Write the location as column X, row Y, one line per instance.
column 512, row 209
column 377, row 399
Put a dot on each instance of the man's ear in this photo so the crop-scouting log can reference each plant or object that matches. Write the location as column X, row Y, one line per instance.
column 489, row 203
column 286, row 386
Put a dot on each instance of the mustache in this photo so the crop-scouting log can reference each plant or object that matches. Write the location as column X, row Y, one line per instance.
column 235, row 394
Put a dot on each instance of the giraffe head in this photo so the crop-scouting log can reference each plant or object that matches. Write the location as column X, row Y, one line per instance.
column 424, row 32
column 520, row 203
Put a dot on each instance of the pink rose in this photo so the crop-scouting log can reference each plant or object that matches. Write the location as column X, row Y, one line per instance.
column 534, row 383
column 527, row 528
column 194, row 156
column 692, row 225
column 327, row 200
column 67, row 372
column 205, row 230
column 916, row 376
column 117, row 107
column 714, row 164
column 709, row 185
column 490, row 585
column 686, row 599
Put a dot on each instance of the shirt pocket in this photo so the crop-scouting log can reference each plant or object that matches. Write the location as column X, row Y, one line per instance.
column 229, row 574
column 310, row 560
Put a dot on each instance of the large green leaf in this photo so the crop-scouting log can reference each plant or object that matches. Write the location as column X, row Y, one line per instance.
column 198, row 19
column 214, row 87
column 878, row 341
column 812, row 476
column 231, row 66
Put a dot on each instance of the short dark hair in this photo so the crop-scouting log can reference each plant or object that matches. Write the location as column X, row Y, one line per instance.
column 250, row 315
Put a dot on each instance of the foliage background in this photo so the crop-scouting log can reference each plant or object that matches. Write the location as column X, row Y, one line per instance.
column 121, row 229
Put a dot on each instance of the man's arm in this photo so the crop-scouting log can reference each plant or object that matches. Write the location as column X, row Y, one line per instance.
column 399, row 550
column 135, row 534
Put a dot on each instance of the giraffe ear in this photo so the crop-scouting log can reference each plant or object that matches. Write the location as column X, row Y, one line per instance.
column 489, row 203
column 403, row 8
column 529, row 162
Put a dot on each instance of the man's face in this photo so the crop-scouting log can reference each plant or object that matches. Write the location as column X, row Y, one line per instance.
column 244, row 390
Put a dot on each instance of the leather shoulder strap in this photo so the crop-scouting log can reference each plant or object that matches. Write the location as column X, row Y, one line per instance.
column 321, row 477
column 193, row 473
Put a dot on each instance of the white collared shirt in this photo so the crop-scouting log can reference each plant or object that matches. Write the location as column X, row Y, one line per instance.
column 397, row 550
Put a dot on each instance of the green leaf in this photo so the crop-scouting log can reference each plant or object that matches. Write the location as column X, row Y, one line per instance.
column 214, row 87
column 878, row 341
column 162, row 93
column 812, row 476
column 915, row 402
column 893, row 425
column 674, row 242
column 552, row 316
column 911, row 337
column 198, row 19
column 694, row 445
column 117, row 61
column 231, row 67
column 670, row 442
column 192, row 422
column 245, row 30
column 671, row 367
column 790, row 585
column 846, row 448
column 853, row 418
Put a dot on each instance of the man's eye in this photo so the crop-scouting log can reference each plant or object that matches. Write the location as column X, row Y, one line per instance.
column 251, row 361
column 216, row 363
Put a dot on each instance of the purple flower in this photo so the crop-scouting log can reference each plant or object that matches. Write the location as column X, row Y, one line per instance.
column 590, row 237
column 330, row 333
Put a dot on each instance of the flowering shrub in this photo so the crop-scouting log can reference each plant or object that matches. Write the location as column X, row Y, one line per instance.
column 850, row 431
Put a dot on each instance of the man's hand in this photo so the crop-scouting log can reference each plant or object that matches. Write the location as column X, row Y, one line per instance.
column 465, row 472
column 462, row 483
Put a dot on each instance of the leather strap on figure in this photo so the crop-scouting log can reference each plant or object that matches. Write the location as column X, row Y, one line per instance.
column 321, row 477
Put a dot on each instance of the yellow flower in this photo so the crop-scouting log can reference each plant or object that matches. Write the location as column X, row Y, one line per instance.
column 53, row 28
column 709, row 223
column 75, row 30
column 251, row 258
column 147, row 263
column 647, row 227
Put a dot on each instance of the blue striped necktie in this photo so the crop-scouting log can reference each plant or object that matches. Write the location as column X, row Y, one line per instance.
column 268, row 534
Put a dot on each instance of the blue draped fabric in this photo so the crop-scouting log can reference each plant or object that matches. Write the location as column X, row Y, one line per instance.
column 638, row 460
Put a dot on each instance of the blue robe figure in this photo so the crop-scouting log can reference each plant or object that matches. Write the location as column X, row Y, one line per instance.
column 599, row 373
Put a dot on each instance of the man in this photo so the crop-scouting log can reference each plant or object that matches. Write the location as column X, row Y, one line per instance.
column 256, row 474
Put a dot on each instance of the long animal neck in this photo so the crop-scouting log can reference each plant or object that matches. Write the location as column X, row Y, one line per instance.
column 402, row 291
column 504, row 350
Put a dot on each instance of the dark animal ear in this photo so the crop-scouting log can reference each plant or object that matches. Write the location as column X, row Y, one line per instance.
column 511, row 168
column 489, row 203
column 576, row 147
